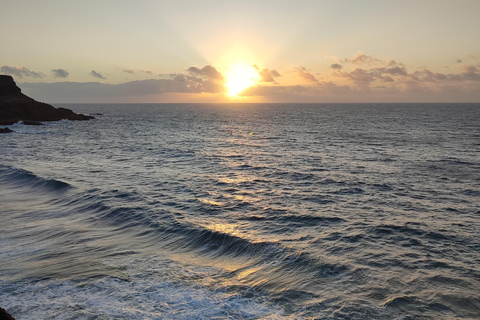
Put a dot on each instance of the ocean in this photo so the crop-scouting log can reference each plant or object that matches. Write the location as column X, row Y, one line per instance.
column 243, row 211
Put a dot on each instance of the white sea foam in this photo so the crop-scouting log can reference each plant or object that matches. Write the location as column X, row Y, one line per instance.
column 111, row 298
column 153, row 288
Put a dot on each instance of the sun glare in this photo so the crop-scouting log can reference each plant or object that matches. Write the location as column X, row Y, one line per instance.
column 239, row 77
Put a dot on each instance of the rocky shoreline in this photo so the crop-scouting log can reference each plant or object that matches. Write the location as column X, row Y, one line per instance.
column 15, row 107
column 4, row 315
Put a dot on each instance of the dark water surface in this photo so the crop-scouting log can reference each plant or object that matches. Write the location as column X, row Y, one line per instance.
column 287, row 211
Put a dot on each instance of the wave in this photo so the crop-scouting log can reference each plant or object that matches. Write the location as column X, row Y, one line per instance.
column 25, row 179
column 163, row 226
column 301, row 220
column 266, row 259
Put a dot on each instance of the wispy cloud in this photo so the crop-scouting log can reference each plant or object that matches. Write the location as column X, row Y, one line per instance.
column 60, row 73
column 128, row 71
column 362, row 58
column 267, row 75
column 305, row 74
column 20, row 72
column 97, row 75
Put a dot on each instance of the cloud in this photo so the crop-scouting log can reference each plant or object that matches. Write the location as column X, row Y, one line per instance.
column 60, row 73
column 129, row 91
column 365, row 83
column 394, row 71
column 395, row 83
column 471, row 73
column 362, row 58
column 336, row 66
column 199, row 85
column 146, row 71
column 393, row 63
column 184, row 77
column 207, row 71
column 470, row 57
column 459, row 61
column 267, row 75
column 212, row 86
column 319, row 92
column 363, row 77
column 273, row 90
column 305, row 74
column 128, row 71
column 20, row 72
column 96, row 74
column 328, row 91
column 425, row 75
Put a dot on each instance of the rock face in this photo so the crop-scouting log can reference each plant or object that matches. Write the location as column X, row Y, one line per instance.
column 4, row 315
column 15, row 106
column 5, row 130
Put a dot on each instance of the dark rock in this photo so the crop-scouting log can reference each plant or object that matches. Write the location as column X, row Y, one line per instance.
column 15, row 106
column 4, row 315
column 32, row 123
column 7, row 122
column 8, row 86
column 5, row 130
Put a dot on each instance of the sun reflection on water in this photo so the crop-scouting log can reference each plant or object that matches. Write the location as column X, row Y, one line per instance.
column 235, row 180
column 211, row 202
column 225, row 228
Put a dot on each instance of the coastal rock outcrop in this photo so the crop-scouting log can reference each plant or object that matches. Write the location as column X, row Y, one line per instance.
column 4, row 315
column 15, row 106
column 5, row 130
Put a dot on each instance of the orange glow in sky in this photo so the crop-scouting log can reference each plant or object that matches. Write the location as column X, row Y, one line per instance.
column 243, row 51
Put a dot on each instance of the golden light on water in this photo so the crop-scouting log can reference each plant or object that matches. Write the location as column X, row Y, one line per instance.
column 225, row 228
column 240, row 76
column 211, row 202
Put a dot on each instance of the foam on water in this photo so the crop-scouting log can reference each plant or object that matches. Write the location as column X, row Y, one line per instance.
column 143, row 295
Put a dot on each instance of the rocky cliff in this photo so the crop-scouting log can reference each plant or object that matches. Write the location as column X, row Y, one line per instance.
column 15, row 106
column 4, row 315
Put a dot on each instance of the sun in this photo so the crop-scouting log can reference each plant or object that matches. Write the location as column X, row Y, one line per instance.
column 239, row 77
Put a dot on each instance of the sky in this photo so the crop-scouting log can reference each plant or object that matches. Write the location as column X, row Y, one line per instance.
column 152, row 51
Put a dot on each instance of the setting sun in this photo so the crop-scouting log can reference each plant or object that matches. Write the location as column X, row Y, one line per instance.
column 239, row 77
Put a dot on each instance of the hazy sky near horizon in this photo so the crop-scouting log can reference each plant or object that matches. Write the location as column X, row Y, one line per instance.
column 299, row 51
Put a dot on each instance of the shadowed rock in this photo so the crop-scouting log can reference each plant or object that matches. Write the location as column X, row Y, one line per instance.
column 5, row 130
column 4, row 315
column 15, row 106
column 32, row 123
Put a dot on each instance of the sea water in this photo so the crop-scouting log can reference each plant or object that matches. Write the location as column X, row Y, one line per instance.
column 243, row 211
